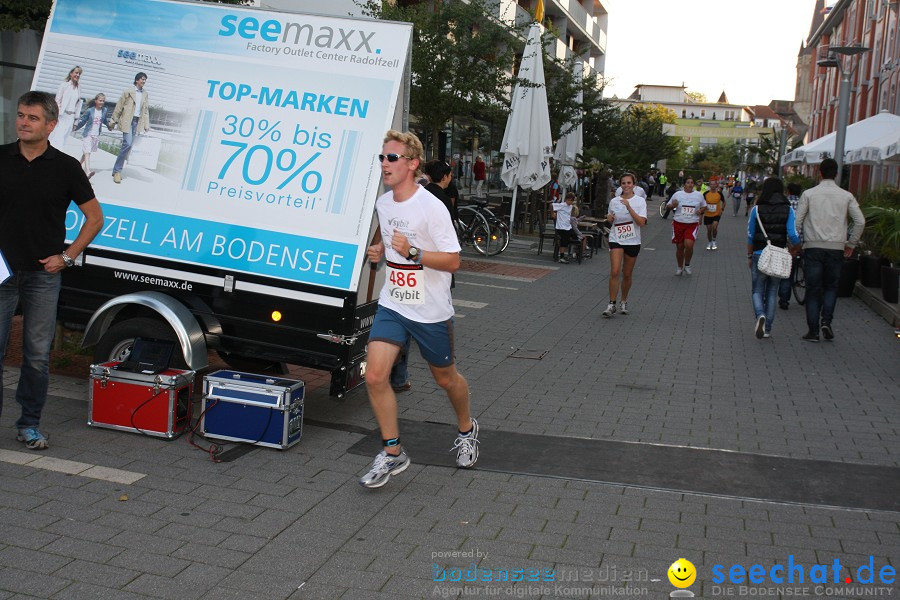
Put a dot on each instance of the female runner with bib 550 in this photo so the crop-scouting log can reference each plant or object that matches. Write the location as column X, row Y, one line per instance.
column 627, row 214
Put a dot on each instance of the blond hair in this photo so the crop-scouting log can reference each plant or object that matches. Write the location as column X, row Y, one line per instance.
column 414, row 147
column 575, row 210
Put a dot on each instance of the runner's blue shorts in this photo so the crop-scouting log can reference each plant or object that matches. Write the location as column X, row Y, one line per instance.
column 435, row 340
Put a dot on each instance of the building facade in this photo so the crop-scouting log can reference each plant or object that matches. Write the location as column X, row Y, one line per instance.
column 875, row 74
column 703, row 125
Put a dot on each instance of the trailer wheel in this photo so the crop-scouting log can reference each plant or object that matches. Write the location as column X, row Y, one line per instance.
column 118, row 340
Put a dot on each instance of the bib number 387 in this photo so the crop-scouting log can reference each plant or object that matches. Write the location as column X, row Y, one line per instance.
column 406, row 284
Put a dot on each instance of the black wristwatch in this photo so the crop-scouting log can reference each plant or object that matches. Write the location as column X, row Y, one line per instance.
column 414, row 254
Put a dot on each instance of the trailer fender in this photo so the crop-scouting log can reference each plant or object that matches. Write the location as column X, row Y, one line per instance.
column 187, row 330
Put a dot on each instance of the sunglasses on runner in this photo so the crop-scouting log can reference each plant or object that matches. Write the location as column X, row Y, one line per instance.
column 392, row 157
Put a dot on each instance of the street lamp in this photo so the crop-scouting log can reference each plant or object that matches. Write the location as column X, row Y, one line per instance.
column 834, row 59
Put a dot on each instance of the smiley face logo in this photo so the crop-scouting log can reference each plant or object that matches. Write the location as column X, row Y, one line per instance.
column 682, row 573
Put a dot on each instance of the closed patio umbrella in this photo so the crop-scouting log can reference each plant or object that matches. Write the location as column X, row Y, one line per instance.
column 527, row 144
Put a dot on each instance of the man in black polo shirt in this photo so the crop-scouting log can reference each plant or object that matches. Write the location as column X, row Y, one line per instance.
column 37, row 183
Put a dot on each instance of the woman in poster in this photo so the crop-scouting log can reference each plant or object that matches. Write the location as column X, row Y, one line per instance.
column 69, row 101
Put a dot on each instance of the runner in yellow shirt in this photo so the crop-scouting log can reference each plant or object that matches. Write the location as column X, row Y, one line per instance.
column 715, row 204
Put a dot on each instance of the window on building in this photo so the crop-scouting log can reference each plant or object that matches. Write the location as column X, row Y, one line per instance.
column 702, row 112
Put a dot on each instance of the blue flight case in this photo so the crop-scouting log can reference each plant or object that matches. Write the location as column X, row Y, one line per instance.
column 256, row 409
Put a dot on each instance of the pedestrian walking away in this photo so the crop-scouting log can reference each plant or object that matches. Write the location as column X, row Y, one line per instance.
column 778, row 224
column 785, row 286
column 419, row 243
column 564, row 231
column 749, row 196
column 627, row 214
column 715, row 206
column 38, row 184
column 822, row 218
column 689, row 206
column 736, row 193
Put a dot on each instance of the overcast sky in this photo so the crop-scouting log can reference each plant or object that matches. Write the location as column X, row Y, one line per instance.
column 749, row 49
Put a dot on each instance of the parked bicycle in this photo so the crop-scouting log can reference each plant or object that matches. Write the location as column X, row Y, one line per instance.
column 472, row 229
column 496, row 239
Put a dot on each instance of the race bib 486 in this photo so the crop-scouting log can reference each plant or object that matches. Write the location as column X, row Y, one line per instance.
column 406, row 283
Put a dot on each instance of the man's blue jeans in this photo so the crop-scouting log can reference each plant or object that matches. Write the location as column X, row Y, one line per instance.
column 785, row 286
column 38, row 292
column 127, row 143
column 822, row 269
column 765, row 290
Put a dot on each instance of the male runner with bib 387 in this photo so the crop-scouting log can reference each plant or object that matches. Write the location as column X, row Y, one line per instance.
column 421, row 249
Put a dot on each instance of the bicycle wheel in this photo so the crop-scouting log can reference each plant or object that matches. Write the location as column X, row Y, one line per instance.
column 799, row 285
column 504, row 235
column 498, row 238
column 481, row 238
column 499, row 230
column 478, row 232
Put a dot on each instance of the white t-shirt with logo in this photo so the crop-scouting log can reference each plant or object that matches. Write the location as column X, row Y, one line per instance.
column 624, row 230
column 563, row 215
column 425, row 221
column 689, row 206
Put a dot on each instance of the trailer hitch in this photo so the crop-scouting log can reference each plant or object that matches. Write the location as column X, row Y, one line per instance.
column 335, row 338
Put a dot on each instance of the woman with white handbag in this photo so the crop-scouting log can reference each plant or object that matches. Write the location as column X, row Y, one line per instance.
column 770, row 229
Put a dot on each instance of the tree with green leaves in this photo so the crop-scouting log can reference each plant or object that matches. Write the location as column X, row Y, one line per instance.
column 462, row 60
column 763, row 157
column 636, row 139
column 720, row 159
column 16, row 15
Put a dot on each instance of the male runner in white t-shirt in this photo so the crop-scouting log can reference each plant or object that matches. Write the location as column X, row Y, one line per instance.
column 421, row 249
column 689, row 205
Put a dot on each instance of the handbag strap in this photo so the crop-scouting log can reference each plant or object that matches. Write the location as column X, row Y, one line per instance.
column 761, row 228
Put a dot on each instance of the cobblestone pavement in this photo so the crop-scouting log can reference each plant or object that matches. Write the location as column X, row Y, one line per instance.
column 107, row 514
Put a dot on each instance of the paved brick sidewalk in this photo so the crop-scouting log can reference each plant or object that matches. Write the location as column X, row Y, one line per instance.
column 682, row 369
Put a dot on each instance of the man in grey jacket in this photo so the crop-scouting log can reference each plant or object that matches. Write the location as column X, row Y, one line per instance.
column 822, row 214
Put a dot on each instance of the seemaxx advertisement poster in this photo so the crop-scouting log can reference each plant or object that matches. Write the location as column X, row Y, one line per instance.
column 260, row 151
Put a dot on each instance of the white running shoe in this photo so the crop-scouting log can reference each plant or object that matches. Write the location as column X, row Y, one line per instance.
column 678, row 272
column 623, row 308
column 610, row 310
column 383, row 467
column 709, row 246
column 687, row 270
column 714, row 246
column 466, row 447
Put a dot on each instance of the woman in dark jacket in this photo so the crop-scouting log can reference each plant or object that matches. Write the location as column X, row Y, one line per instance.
column 777, row 218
